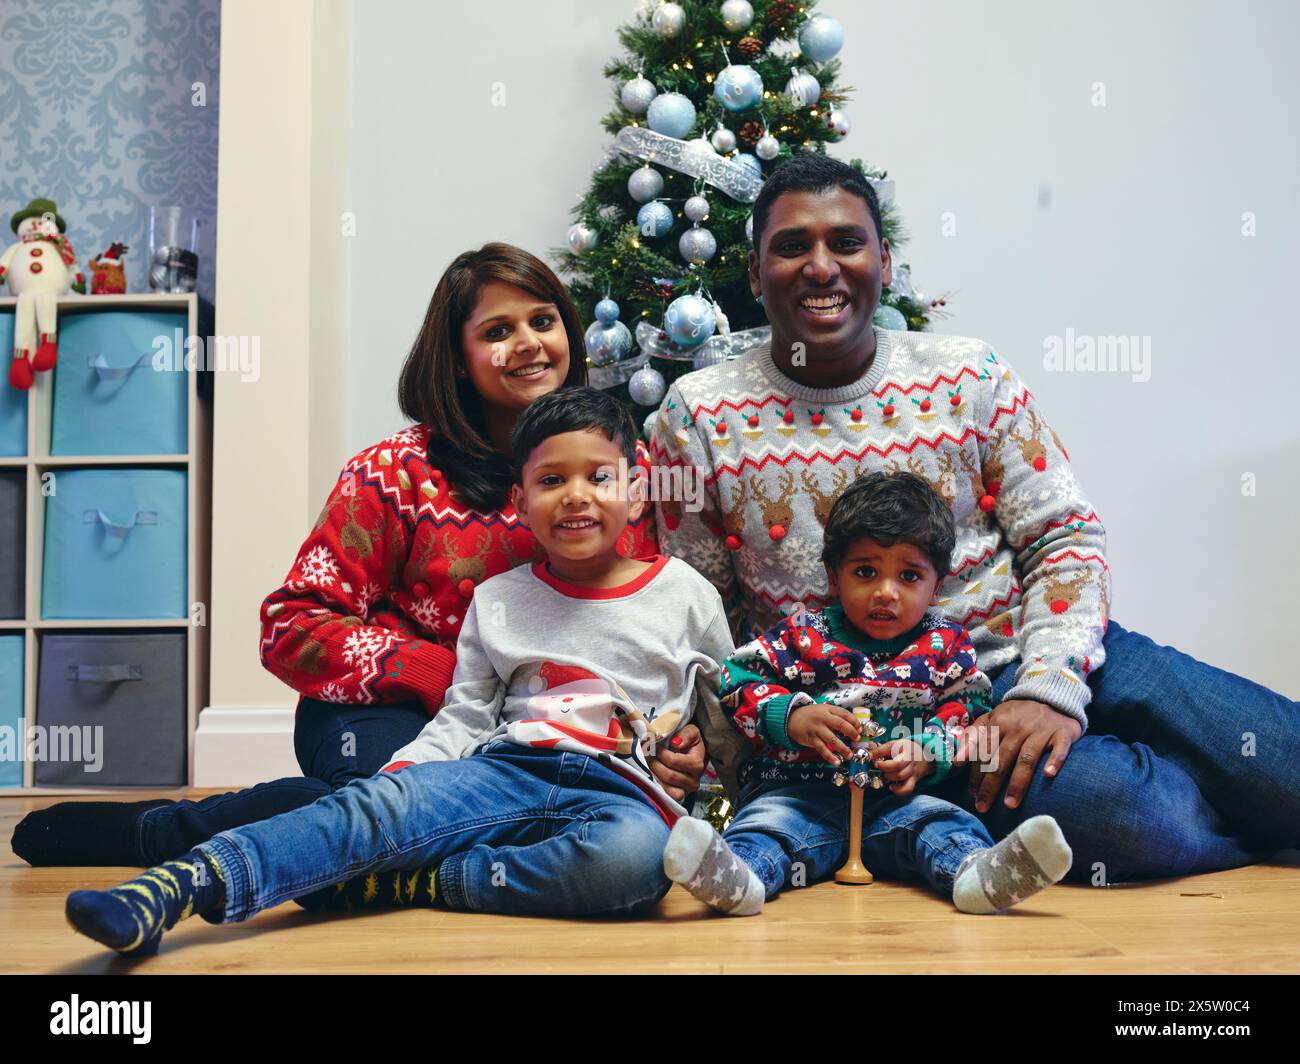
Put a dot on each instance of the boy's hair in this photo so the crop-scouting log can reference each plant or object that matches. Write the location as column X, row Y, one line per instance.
column 813, row 172
column 572, row 410
column 891, row 508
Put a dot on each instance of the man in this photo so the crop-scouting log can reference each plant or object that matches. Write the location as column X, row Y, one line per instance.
column 1184, row 768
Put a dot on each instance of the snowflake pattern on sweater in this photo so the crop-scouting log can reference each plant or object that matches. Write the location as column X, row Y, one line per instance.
column 1029, row 574
column 371, row 608
column 925, row 684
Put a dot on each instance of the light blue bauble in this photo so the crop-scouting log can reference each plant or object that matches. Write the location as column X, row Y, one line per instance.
column 888, row 317
column 607, row 343
column 821, row 38
column 607, row 311
column 745, row 159
column 738, row 88
column 654, row 219
column 689, row 321
column 671, row 114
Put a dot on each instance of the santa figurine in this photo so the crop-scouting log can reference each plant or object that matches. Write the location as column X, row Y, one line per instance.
column 41, row 267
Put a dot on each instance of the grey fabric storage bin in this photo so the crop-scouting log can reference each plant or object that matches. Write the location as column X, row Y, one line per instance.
column 13, row 544
column 130, row 683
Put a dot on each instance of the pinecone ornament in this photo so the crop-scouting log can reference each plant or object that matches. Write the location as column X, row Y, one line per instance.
column 750, row 133
column 750, row 47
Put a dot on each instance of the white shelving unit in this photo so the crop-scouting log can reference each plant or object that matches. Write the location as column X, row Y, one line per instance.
column 197, row 462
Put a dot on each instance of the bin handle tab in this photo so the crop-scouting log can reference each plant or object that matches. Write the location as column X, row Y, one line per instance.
column 105, row 673
column 100, row 365
column 141, row 517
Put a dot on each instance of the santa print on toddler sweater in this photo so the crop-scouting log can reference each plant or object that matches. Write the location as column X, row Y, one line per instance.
column 924, row 685
column 372, row 606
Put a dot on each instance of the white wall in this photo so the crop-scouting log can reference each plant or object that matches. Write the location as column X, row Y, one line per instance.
column 1123, row 219
column 282, row 169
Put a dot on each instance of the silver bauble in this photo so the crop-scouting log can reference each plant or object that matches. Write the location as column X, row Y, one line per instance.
column 668, row 20
column 582, row 238
column 838, row 122
column 768, row 147
column 697, row 245
column 702, row 145
column 723, row 140
column 697, row 208
column 645, row 184
column 803, row 88
column 647, row 387
column 749, row 228
column 638, row 93
column 737, row 15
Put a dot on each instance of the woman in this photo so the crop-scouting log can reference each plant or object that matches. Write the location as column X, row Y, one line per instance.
column 365, row 625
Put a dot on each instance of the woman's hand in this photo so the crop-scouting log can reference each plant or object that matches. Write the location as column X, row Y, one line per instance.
column 678, row 763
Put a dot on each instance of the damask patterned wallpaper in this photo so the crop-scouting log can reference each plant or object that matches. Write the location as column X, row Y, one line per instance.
column 100, row 111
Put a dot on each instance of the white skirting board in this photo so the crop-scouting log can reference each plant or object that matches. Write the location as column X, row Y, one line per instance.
column 238, row 746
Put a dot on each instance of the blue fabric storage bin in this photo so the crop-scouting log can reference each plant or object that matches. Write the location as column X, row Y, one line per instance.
column 11, row 707
column 13, row 403
column 108, row 397
column 13, row 544
column 115, row 544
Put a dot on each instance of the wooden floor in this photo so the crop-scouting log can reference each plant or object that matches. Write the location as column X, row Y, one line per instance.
column 1243, row 921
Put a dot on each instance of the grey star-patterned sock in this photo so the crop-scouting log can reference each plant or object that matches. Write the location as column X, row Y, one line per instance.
column 1032, row 857
column 698, row 859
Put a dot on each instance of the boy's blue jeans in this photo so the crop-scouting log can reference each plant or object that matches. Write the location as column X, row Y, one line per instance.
column 797, row 835
column 513, row 830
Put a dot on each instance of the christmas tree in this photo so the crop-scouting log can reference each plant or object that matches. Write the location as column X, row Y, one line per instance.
column 711, row 97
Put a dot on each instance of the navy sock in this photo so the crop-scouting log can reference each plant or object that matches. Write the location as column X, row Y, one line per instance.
column 132, row 917
column 82, row 833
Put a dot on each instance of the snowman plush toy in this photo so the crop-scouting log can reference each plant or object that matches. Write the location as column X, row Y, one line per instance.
column 39, row 268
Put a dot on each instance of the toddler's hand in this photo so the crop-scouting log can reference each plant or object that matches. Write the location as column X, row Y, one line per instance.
column 903, row 763
column 818, row 726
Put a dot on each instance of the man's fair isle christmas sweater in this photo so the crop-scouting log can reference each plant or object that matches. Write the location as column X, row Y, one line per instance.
column 924, row 684
column 1029, row 576
column 371, row 609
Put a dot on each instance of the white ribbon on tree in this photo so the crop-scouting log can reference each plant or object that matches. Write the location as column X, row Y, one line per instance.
column 735, row 179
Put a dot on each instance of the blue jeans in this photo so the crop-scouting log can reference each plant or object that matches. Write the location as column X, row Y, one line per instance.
column 1184, row 768
column 513, row 830
column 805, row 828
column 334, row 744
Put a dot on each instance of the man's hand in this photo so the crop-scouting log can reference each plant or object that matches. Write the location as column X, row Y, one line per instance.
column 903, row 763
column 819, row 725
column 1021, row 731
column 678, row 763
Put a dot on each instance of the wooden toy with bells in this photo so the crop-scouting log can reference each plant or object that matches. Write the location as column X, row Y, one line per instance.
column 859, row 774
